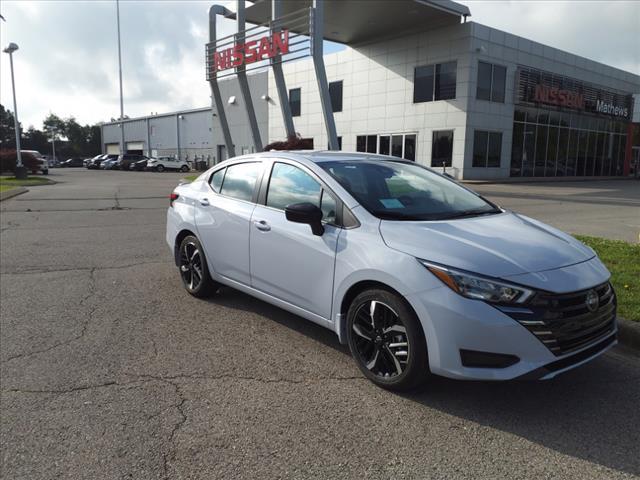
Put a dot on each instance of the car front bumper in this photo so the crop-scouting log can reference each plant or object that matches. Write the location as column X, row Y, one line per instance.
column 455, row 325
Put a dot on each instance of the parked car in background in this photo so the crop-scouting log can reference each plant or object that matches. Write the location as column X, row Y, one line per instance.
column 161, row 164
column 416, row 273
column 125, row 160
column 73, row 163
column 139, row 166
column 90, row 163
column 109, row 163
column 43, row 164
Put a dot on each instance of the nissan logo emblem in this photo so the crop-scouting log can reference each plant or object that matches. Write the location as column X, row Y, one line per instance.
column 592, row 301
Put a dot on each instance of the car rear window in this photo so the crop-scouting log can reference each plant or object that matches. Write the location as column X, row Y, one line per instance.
column 240, row 180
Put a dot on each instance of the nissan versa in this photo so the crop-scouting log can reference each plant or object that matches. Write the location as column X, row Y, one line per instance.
column 418, row 274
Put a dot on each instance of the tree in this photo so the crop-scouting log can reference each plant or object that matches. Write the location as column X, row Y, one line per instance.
column 7, row 129
column 35, row 140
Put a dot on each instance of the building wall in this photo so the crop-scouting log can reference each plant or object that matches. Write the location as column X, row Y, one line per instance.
column 196, row 133
column 378, row 92
column 501, row 48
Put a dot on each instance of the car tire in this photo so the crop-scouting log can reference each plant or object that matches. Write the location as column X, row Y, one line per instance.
column 45, row 172
column 387, row 343
column 160, row 168
column 194, row 272
column 184, row 169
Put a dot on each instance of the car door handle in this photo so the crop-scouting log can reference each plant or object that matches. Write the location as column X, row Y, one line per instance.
column 204, row 202
column 262, row 225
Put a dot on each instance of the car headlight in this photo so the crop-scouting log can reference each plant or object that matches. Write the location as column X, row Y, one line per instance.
column 478, row 287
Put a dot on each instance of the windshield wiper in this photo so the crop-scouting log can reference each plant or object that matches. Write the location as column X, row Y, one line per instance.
column 387, row 215
column 477, row 212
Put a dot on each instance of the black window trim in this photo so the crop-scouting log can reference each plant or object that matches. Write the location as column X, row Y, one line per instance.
column 266, row 178
column 486, row 158
column 493, row 65
column 433, row 87
column 256, row 188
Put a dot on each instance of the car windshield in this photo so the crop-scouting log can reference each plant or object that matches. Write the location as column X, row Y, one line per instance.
column 405, row 191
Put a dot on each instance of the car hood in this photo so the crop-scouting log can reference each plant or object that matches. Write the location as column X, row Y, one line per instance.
column 496, row 245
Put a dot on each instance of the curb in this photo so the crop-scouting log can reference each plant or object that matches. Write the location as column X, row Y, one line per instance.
column 629, row 333
column 12, row 193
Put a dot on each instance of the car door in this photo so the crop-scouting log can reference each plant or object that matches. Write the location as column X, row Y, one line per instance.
column 287, row 260
column 223, row 214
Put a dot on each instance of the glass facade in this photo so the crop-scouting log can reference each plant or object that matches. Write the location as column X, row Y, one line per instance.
column 550, row 143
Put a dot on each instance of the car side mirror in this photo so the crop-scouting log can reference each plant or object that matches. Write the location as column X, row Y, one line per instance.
column 306, row 213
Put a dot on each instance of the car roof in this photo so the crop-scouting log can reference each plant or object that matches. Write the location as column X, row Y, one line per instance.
column 319, row 156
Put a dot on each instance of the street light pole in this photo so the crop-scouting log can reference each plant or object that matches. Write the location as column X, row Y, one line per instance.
column 120, row 73
column 53, row 143
column 21, row 171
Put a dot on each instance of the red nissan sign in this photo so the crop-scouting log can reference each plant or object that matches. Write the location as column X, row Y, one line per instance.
column 557, row 96
column 251, row 51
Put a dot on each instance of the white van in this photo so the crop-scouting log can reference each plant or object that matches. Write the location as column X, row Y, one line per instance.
column 44, row 164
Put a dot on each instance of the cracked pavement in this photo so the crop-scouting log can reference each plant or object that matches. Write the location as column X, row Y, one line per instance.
column 109, row 370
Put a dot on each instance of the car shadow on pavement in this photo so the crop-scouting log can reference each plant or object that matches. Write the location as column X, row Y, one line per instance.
column 591, row 413
column 231, row 298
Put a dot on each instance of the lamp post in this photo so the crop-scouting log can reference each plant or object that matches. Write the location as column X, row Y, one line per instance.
column 21, row 171
column 120, row 75
column 53, row 143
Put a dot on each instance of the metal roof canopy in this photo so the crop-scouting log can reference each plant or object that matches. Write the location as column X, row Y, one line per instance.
column 360, row 21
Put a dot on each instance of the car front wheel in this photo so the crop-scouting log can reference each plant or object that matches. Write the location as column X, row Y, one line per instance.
column 184, row 169
column 386, row 340
column 160, row 168
column 193, row 269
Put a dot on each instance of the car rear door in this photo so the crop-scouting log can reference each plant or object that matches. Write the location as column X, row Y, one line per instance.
column 287, row 260
column 223, row 215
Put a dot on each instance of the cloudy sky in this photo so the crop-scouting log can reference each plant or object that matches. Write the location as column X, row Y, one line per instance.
column 67, row 62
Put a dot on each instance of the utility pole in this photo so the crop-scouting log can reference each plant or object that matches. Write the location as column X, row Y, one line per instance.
column 120, row 73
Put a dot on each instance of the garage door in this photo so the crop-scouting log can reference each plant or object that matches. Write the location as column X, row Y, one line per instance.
column 113, row 148
column 135, row 146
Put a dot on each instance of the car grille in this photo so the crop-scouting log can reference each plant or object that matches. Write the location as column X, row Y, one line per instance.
column 564, row 323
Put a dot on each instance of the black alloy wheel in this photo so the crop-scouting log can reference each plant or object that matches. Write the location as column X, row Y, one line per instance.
column 160, row 168
column 193, row 269
column 386, row 340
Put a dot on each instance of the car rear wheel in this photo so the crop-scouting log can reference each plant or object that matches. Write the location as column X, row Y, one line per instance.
column 386, row 340
column 160, row 168
column 193, row 269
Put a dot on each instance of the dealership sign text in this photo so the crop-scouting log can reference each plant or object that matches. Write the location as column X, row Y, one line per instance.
column 251, row 51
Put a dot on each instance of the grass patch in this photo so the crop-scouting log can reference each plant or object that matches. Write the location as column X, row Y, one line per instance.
column 623, row 261
column 4, row 188
column 191, row 178
column 10, row 182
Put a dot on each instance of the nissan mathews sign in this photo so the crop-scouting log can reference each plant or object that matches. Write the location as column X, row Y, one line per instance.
column 542, row 88
column 248, row 52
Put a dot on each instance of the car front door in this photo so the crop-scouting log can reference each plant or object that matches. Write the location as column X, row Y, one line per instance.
column 287, row 260
column 223, row 216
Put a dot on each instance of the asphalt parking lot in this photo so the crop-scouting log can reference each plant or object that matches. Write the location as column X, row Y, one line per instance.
column 109, row 370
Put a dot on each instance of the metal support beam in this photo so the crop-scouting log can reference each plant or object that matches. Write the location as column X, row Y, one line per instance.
column 178, row 135
column 216, row 97
column 278, row 75
column 317, row 37
column 244, row 83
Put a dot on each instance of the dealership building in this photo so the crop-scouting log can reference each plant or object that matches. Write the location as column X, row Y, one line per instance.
column 416, row 80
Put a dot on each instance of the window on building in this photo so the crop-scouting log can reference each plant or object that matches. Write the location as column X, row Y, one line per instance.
column 401, row 145
column 335, row 92
column 295, row 102
column 491, row 82
column 442, row 148
column 240, row 180
column 434, row 82
column 487, row 147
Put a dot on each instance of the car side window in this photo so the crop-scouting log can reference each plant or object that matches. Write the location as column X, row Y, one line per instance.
column 329, row 207
column 216, row 180
column 240, row 180
column 289, row 185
